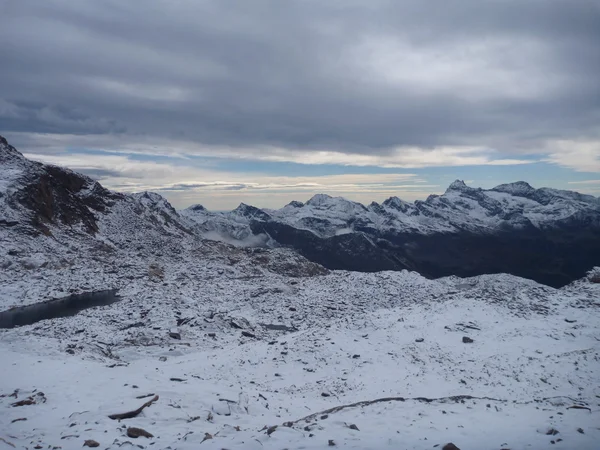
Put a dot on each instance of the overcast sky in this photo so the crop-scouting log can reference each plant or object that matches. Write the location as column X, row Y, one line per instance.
column 217, row 102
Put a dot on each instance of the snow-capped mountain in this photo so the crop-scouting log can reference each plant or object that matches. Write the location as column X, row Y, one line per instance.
column 550, row 235
column 254, row 348
column 50, row 215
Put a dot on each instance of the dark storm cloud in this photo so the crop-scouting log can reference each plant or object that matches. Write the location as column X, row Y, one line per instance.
column 358, row 76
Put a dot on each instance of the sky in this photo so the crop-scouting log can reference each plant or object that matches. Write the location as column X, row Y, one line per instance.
column 268, row 101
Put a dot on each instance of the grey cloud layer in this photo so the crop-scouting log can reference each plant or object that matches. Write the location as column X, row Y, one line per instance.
column 344, row 75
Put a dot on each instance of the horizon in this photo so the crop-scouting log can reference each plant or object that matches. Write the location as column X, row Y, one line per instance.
column 363, row 100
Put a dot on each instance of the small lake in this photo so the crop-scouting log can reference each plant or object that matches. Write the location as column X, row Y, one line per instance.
column 60, row 307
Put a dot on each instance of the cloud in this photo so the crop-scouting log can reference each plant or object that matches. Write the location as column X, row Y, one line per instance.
column 394, row 84
column 186, row 184
column 402, row 157
column 585, row 182
column 582, row 156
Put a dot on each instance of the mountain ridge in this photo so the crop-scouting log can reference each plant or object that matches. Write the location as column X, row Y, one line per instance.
column 545, row 234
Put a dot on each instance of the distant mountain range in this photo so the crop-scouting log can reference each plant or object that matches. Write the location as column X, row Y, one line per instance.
column 549, row 235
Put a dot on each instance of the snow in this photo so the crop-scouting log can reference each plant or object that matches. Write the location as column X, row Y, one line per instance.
column 460, row 208
column 523, row 351
column 518, row 360
column 307, row 332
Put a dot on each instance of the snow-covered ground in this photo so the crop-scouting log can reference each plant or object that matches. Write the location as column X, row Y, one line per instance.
column 351, row 337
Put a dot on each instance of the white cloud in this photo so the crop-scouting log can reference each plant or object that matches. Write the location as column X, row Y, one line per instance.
column 582, row 156
column 400, row 157
column 184, row 185
column 585, row 182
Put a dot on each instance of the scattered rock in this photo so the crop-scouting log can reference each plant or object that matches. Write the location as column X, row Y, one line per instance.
column 331, row 443
column 450, row 446
column 91, row 443
column 135, row 433
column 325, row 394
column 580, row 430
column 145, row 396
column 162, row 358
column 552, row 432
column 355, row 356
column 31, row 400
column 353, row 427
column 248, row 334
column 324, row 416
column 292, row 308
column 177, row 379
column 419, row 340
column 271, row 430
column 212, row 335
column 175, row 334
column 19, row 419
column 235, row 325
column 570, row 321
column 467, row 340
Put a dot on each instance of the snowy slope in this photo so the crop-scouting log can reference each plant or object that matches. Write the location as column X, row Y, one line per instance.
column 535, row 355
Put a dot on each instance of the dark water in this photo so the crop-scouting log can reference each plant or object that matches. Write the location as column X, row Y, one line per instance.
column 60, row 307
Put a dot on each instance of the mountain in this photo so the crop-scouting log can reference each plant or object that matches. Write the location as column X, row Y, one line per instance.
column 259, row 348
column 549, row 235
column 50, row 215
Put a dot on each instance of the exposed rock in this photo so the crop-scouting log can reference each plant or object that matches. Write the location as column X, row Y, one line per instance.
column 419, row 340
column 91, row 443
column 134, row 432
column 467, row 340
column 450, row 446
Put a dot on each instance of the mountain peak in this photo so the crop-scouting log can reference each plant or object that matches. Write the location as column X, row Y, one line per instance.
column 251, row 212
column 396, row 203
column 197, row 208
column 458, row 185
column 8, row 153
column 519, row 188
column 295, row 204
column 318, row 199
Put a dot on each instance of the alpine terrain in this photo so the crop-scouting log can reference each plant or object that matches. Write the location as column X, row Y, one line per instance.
column 469, row 320
column 547, row 235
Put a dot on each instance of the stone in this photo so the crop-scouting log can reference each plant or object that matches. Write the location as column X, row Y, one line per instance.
column 467, row 340
column 91, row 443
column 419, row 340
column 135, row 433
column 450, row 446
